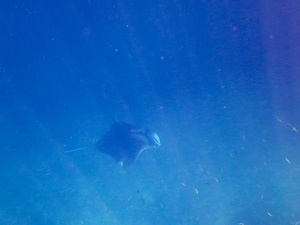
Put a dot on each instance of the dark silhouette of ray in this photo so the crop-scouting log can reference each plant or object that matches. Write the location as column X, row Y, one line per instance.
column 125, row 142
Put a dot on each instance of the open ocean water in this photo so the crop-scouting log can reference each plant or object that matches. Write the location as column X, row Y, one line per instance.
column 219, row 81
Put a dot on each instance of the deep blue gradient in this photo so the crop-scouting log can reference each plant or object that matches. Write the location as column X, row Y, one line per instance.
column 217, row 80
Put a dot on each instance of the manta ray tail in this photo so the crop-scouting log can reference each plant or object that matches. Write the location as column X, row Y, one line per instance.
column 76, row 150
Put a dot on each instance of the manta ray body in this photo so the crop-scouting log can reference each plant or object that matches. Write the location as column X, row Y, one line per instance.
column 125, row 142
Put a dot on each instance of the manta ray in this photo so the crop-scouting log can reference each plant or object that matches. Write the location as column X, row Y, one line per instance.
column 124, row 142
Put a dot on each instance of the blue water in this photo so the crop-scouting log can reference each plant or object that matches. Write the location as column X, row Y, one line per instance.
column 217, row 80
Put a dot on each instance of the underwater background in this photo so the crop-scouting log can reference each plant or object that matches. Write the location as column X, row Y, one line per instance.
column 219, row 81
